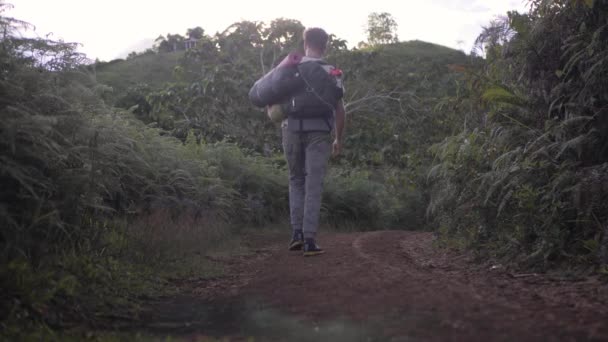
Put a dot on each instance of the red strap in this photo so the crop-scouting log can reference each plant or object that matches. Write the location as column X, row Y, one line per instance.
column 336, row 72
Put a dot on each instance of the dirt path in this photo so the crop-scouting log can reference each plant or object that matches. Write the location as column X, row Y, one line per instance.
column 386, row 286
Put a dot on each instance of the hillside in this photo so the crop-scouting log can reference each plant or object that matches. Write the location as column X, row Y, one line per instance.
column 413, row 65
column 403, row 58
column 152, row 69
column 399, row 82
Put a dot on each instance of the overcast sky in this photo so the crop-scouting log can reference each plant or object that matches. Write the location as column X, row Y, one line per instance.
column 111, row 28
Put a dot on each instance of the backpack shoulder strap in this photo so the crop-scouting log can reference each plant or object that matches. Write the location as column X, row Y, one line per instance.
column 333, row 75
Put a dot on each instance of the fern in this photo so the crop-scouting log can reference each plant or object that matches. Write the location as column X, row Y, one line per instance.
column 502, row 95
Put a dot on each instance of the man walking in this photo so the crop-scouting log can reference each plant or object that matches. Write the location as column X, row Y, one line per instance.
column 307, row 139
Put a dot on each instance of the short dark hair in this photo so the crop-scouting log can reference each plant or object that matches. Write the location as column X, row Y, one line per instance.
column 316, row 38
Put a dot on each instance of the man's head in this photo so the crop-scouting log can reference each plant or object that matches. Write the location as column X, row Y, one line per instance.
column 315, row 41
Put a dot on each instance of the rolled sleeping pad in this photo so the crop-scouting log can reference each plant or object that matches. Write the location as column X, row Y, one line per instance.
column 278, row 83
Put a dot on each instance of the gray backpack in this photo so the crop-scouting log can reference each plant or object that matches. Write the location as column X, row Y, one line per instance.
column 318, row 93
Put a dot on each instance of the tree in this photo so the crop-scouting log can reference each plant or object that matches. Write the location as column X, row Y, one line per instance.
column 381, row 29
column 337, row 44
column 173, row 42
column 195, row 33
column 285, row 34
column 282, row 36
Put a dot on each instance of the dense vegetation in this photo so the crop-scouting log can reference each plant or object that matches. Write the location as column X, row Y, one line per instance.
column 526, row 177
column 112, row 171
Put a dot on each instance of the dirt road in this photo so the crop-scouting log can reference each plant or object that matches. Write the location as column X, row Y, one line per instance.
column 383, row 286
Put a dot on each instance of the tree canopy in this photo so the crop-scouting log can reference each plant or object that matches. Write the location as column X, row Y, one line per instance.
column 381, row 29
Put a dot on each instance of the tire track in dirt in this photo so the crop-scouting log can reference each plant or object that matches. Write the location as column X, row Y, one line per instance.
column 391, row 273
column 552, row 310
column 540, row 301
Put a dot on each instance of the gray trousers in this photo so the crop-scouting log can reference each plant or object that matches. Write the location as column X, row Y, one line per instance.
column 307, row 157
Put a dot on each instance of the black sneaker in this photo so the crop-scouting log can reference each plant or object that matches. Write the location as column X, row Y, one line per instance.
column 311, row 248
column 297, row 241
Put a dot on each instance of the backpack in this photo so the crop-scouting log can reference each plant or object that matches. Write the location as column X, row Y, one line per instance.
column 318, row 94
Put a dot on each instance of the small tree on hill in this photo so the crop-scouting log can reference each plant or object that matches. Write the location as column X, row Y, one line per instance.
column 381, row 29
column 173, row 42
column 195, row 33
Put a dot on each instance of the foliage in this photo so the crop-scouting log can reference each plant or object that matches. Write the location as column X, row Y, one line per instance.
column 94, row 193
column 381, row 29
column 528, row 178
column 78, row 175
column 391, row 88
column 171, row 43
column 154, row 70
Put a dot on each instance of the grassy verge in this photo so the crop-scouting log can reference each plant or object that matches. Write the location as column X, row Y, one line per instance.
column 134, row 263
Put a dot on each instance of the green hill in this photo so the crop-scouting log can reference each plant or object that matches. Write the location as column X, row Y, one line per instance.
column 403, row 59
column 389, row 88
column 152, row 69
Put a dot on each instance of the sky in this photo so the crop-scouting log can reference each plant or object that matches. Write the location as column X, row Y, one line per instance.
column 111, row 29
